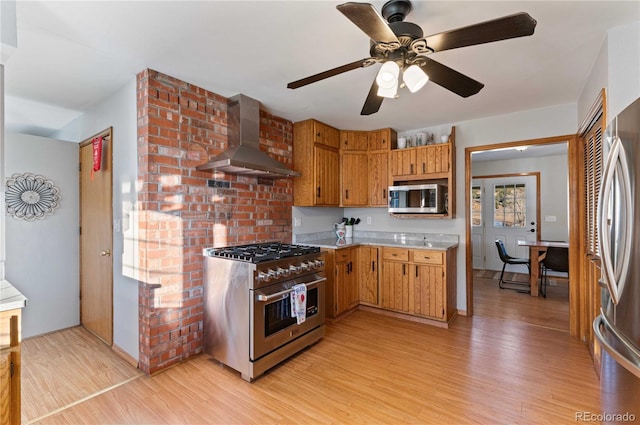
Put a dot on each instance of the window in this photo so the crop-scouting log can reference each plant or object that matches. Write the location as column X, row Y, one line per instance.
column 476, row 206
column 510, row 205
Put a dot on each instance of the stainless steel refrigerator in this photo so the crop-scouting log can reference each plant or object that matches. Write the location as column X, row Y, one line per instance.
column 617, row 328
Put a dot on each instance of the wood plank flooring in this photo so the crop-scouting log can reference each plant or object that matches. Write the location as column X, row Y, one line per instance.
column 369, row 369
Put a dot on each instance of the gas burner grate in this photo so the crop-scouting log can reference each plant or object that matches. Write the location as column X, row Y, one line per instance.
column 257, row 253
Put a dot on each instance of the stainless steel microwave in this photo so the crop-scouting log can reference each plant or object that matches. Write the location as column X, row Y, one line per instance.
column 418, row 198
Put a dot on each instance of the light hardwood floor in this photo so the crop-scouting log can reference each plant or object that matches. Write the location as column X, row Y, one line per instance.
column 368, row 369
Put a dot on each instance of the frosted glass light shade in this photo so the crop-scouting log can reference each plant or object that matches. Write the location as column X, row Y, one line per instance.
column 415, row 78
column 387, row 79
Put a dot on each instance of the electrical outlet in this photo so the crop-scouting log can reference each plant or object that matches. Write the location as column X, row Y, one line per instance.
column 297, row 222
column 368, row 220
column 550, row 218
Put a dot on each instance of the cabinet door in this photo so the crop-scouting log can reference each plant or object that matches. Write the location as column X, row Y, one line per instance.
column 368, row 274
column 354, row 140
column 402, row 162
column 5, row 391
column 341, row 293
column 394, row 288
column 429, row 297
column 326, row 135
column 355, row 179
column 433, row 159
column 378, row 178
column 380, row 139
column 327, row 176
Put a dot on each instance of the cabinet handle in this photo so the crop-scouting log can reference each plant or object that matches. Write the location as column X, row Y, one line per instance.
column 424, row 168
column 384, row 193
column 403, row 269
column 373, row 266
column 416, row 271
column 346, row 194
column 411, row 168
column 318, row 134
column 318, row 192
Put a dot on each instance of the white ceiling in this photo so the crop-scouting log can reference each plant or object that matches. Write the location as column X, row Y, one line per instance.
column 73, row 54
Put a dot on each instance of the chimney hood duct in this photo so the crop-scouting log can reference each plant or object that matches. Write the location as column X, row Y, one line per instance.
column 243, row 154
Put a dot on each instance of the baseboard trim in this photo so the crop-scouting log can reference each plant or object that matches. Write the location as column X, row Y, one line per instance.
column 125, row 356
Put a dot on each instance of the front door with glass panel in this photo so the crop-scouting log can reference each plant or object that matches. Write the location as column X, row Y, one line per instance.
column 508, row 213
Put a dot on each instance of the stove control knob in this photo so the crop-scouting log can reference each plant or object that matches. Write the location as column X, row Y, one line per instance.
column 305, row 266
column 319, row 264
column 266, row 277
column 282, row 272
column 294, row 269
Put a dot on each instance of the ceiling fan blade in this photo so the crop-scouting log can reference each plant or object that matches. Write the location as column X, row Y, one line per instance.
column 326, row 74
column 450, row 79
column 512, row 26
column 367, row 18
column 373, row 102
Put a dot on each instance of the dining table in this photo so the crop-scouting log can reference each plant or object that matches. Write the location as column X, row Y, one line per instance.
column 537, row 252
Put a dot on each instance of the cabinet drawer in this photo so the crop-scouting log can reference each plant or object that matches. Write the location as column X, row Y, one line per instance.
column 427, row 257
column 397, row 254
column 342, row 255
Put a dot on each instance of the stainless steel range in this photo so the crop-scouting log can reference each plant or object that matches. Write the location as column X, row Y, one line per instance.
column 248, row 321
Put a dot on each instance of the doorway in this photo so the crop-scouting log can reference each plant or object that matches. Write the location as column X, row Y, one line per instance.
column 96, row 237
column 505, row 207
column 570, row 141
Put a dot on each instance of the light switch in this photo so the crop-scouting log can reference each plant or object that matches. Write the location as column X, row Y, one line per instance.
column 550, row 218
column 368, row 220
column 297, row 222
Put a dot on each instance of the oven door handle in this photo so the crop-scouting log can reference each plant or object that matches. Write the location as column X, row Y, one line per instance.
column 279, row 295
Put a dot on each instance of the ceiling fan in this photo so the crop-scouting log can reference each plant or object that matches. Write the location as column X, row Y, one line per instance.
column 401, row 47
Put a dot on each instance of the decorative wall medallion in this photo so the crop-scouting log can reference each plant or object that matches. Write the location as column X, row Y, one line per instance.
column 30, row 197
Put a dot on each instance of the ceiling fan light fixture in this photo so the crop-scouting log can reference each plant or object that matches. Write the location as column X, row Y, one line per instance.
column 414, row 78
column 387, row 79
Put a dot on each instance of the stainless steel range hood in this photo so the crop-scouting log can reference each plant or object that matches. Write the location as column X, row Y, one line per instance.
column 243, row 154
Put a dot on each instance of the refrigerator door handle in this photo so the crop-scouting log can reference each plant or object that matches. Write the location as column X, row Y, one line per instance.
column 631, row 366
column 603, row 205
column 616, row 166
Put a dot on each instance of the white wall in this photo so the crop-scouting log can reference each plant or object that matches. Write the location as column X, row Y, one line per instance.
column 617, row 70
column 537, row 123
column 42, row 255
column 119, row 112
column 554, row 188
column 624, row 67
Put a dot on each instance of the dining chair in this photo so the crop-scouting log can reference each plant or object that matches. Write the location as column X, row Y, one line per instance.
column 507, row 259
column 556, row 259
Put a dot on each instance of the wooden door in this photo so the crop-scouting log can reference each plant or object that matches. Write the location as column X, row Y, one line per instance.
column 402, row 162
column 368, row 274
column 96, row 240
column 355, row 179
column 327, row 168
column 378, row 179
column 428, row 291
column 395, row 286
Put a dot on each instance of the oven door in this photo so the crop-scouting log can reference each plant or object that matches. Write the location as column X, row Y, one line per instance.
column 273, row 324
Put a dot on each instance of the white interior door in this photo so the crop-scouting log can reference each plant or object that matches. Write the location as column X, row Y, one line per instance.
column 509, row 206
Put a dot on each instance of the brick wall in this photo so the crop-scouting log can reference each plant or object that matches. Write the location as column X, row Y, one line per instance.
column 181, row 126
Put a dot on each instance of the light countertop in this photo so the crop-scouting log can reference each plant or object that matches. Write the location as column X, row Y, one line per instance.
column 10, row 297
column 413, row 241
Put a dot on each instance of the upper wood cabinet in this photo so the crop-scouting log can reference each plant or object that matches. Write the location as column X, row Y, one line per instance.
column 424, row 165
column 354, row 140
column 378, row 179
column 355, row 178
column 316, row 157
column 382, row 139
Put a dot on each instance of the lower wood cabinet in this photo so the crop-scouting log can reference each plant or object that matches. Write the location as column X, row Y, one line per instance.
column 416, row 282
column 368, row 269
column 10, row 367
column 342, row 280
